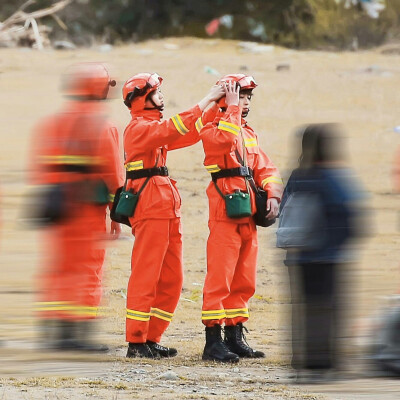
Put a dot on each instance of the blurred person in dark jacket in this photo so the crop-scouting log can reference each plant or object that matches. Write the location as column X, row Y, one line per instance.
column 314, row 270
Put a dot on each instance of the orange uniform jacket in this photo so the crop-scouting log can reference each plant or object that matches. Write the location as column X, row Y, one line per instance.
column 145, row 139
column 220, row 140
column 50, row 147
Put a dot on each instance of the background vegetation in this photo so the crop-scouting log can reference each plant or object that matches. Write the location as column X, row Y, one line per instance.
column 292, row 23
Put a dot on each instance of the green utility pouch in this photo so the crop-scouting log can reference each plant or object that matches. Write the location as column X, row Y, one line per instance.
column 238, row 204
column 127, row 203
column 101, row 193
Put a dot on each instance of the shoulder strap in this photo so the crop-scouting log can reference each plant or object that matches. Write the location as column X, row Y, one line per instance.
column 242, row 161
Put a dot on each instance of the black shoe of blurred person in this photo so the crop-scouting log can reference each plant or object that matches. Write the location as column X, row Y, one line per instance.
column 77, row 336
column 140, row 350
column 162, row 351
column 236, row 342
column 215, row 348
column 313, row 377
column 75, row 345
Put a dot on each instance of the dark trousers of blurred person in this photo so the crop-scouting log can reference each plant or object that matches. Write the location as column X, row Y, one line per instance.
column 314, row 315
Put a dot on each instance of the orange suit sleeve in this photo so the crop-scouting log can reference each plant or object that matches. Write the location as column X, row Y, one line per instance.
column 222, row 136
column 112, row 171
column 267, row 176
column 153, row 134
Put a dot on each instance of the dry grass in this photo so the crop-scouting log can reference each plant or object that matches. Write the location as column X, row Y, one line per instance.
column 320, row 87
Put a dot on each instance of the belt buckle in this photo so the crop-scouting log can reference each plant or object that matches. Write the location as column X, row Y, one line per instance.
column 244, row 170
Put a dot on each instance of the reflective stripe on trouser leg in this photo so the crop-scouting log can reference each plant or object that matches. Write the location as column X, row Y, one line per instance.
column 244, row 280
column 223, row 247
column 73, row 266
column 169, row 285
column 145, row 273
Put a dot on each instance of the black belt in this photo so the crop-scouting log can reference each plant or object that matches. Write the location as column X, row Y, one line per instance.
column 147, row 173
column 80, row 168
column 230, row 172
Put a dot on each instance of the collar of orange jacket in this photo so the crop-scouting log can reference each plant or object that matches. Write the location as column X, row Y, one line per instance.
column 153, row 114
column 221, row 113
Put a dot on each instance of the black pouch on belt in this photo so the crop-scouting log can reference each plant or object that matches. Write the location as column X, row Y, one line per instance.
column 261, row 197
column 113, row 213
column 260, row 217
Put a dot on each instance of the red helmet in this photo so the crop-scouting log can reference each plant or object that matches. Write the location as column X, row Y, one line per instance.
column 87, row 80
column 137, row 88
column 245, row 82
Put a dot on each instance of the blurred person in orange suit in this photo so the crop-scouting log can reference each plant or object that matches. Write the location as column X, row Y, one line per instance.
column 233, row 157
column 156, row 269
column 75, row 160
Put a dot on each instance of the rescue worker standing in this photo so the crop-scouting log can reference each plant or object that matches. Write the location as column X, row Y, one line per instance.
column 156, row 270
column 232, row 155
column 76, row 158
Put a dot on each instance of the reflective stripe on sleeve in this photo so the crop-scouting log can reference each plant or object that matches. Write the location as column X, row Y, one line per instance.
column 229, row 127
column 199, row 124
column 179, row 125
column 272, row 179
column 111, row 197
column 250, row 142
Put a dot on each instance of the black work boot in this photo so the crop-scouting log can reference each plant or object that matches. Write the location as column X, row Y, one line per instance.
column 66, row 337
column 48, row 334
column 215, row 349
column 85, row 331
column 140, row 350
column 77, row 336
column 162, row 351
column 235, row 340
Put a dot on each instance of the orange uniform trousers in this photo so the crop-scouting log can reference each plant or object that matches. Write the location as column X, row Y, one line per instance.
column 231, row 272
column 156, row 278
column 70, row 283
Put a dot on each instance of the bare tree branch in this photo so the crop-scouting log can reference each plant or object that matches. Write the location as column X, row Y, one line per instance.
column 21, row 16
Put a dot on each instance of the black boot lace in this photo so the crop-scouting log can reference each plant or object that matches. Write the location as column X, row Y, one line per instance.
column 242, row 336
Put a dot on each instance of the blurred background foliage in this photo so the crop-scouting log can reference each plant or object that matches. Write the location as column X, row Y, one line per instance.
column 291, row 23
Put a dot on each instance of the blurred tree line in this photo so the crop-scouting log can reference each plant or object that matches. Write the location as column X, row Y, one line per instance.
column 292, row 23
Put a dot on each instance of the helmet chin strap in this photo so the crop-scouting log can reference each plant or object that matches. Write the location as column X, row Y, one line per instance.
column 156, row 107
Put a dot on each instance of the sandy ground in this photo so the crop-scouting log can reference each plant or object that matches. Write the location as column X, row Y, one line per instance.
column 358, row 90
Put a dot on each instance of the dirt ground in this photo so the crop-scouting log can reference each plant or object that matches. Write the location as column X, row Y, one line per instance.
column 358, row 90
